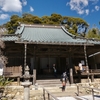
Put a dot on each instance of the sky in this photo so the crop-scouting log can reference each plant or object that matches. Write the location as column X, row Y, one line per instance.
column 88, row 10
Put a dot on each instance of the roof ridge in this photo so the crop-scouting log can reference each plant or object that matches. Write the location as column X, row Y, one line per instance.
column 42, row 26
column 74, row 36
column 67, row 32
column 20, row 29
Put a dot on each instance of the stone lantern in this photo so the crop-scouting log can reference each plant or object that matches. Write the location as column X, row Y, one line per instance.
column 26, row 83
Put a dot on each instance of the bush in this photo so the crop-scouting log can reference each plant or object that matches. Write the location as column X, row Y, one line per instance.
column 4, row 81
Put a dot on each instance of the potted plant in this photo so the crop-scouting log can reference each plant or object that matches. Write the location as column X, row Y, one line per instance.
column 4, row 82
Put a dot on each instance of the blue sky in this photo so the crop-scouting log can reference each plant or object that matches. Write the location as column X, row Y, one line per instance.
column 89, row 10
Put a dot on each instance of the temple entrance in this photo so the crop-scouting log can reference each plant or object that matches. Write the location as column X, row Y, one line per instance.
column 44, row 65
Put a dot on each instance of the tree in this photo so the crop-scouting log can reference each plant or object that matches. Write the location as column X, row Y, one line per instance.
column 45, row 19
column 93, row 33
column 72, row 24
column 13, row 24
column 27, row 18
column 37, row 20
column 75, row 25
column 56, row 18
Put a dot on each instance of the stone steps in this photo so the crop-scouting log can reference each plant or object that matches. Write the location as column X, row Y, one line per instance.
column 50, row 83
column 18, row 92
column 70, row 91
column 56, row 91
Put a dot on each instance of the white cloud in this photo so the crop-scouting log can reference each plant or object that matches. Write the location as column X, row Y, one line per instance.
column 11, row 5
column 1, row 2
column 94, row 1
column 80, row 11
column 24, row 2
column 78, row 5
column 4, row 16
column 97, row 8
column 87, row 11
column 31, row 9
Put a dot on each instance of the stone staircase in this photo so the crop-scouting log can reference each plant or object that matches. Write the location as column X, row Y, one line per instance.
column 54, row 86
column 50, row 83
column 70, row 91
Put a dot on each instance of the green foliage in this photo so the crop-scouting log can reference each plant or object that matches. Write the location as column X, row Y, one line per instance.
column 55, row 19
column 93, row 33
column 72, row 25
column 37, row 20
column 4, row 81
column 13, row 24
column 72, row 31
column 45, row 19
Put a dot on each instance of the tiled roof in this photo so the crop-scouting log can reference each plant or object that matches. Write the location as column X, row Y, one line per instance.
column 40, row 34
column 9, row 37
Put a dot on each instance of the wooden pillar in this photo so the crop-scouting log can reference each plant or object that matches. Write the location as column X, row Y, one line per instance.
column 59, row 64
column 18, row 80
column 71, row 75
column 92, row 77
column 85, row 53
column 34, row 76
column 87, row 67
column 34, row 58
column 25, row 55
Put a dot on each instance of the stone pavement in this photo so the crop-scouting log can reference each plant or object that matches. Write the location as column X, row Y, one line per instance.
column 66, row 98
column 87, row 97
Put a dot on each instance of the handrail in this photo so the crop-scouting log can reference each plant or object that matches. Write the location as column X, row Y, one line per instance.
column 49, row 94
column 93, row 90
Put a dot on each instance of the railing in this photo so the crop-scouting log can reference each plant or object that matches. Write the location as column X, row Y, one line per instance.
column 92, row 90
column 94, row 70
column 77, row 68
column 48, row 95
column 85, row 69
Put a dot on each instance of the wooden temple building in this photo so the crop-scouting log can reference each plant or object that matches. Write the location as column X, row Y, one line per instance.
column 41, row 46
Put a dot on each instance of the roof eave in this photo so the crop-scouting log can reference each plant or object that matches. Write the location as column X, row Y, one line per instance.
column 55, row 43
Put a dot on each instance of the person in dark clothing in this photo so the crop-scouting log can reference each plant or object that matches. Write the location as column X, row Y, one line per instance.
column 64, row 80
column 54, row 70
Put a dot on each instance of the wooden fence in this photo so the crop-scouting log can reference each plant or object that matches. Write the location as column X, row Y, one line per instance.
column 49, row 95
column 92, row 90
column 16, row 72
column 13, row 71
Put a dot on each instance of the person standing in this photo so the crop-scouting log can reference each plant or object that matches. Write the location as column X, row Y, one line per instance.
column 80, row 71
column 54, row 70
column 80, row 67
column 64, row 79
